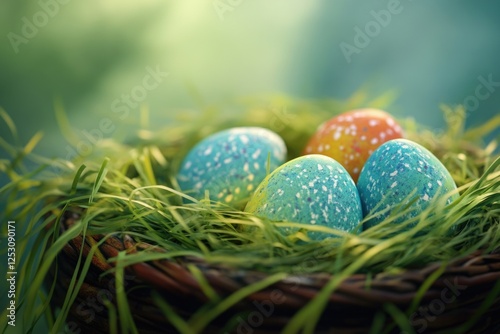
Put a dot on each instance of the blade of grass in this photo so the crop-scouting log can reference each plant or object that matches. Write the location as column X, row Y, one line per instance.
column 101, row 175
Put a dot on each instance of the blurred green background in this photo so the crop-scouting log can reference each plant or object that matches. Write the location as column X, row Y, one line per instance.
column 89, row 54
column 97, row 58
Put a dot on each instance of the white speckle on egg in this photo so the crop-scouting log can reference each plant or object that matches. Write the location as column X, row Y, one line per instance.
column 208, row 151
column 244, row 139
column 325, row 214
column 256, row 154
column 394, row 184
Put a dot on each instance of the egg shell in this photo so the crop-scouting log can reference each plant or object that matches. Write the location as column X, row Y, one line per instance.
column 351, row 137
column 394, row 171
column 312, row 189
column 230, row 164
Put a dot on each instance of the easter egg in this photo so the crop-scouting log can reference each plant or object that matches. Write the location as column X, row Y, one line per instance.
column 402, row 172
column 230, row 164
column 312, row 189
column 351, row 137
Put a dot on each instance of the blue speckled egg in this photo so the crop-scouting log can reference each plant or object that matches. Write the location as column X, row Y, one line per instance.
column 230, row 164
column 395, row 171
column 313, row 189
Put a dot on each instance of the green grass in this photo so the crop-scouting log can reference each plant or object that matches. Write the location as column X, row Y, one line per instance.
column 131, row 188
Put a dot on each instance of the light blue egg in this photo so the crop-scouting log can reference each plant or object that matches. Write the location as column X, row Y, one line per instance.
column 313, row 189
column 395, row 171
column 230, row 164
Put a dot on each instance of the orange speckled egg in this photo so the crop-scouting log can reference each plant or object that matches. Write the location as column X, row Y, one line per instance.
column 351, row 137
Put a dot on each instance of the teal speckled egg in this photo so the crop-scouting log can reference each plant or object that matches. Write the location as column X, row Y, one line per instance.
column 313, row 189
column 230, row 164
column 397, row 170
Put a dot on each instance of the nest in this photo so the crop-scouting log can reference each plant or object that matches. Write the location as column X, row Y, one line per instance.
column 452, row 301
column 123, row 253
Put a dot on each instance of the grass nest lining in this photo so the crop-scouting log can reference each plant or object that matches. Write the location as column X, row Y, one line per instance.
column 110, row 246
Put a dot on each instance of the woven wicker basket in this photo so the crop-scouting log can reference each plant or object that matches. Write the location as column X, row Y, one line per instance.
column 455, row 298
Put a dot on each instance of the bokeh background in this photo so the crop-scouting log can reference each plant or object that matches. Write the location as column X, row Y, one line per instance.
column 90, row 58
column 88, row 54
